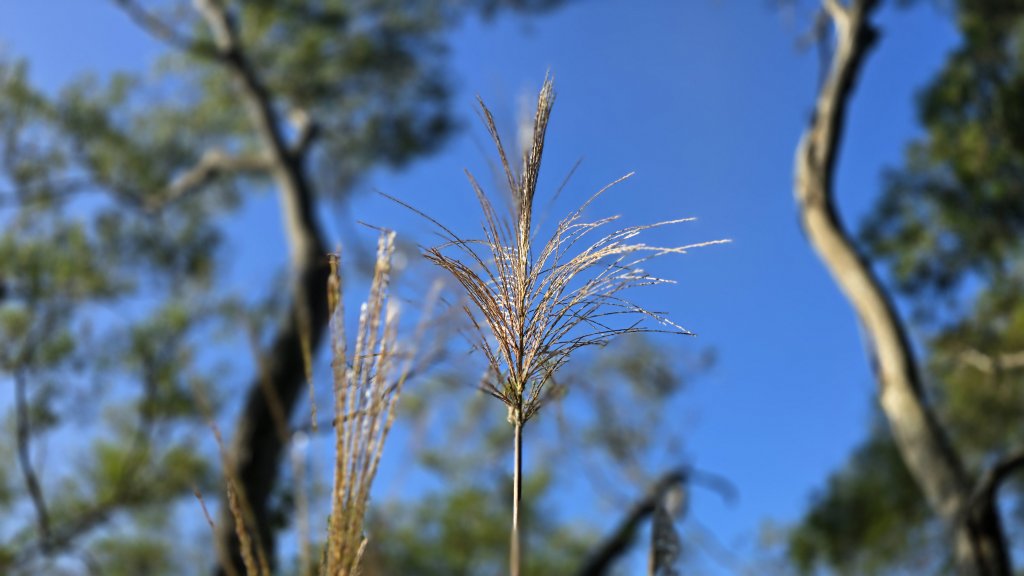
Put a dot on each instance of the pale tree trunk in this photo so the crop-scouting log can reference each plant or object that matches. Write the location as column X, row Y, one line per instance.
column 974, row 525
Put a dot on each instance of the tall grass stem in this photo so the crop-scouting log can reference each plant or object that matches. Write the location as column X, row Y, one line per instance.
column 515, row 549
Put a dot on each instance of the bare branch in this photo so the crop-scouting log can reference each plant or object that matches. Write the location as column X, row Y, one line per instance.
column 666, row 545
column 61, row 536
column 296, row 195
column 220, row 23
column 24, row 434
column 256, row 97
column 212, row 164
column 993, row 363
column 230, row 50
column 837, row 12
column 258, row 447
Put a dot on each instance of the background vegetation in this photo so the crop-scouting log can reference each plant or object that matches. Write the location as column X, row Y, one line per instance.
column 127, row 331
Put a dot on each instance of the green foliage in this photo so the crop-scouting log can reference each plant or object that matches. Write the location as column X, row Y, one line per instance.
column 954, row 210
column 950, row 227
column 463, row 531
column 869, row 517
column 119, row 556
column 370, row 71
column 112, row 275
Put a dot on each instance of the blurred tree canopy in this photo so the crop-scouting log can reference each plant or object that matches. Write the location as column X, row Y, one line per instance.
column 948, row 230
column 115, row 197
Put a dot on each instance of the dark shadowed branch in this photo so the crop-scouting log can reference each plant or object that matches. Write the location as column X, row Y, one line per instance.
column 258, row 445
column 988, row 485
column 618, row 542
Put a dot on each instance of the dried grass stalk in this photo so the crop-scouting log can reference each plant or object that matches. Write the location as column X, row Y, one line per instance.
column 532, row 306
column 367, row 385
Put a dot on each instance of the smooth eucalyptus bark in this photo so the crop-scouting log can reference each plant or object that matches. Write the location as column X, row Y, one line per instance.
column 978, row 540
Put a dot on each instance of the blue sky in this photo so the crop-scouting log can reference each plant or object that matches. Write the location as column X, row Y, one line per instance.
column 705, row 101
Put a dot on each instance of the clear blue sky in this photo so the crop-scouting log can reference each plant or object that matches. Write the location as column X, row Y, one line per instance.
column 705, row 100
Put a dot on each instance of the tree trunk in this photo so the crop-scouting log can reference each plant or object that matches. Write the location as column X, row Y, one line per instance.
column 258, row 444
column 979, row 545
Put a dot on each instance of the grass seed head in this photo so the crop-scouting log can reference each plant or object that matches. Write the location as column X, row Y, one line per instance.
column 531, row 305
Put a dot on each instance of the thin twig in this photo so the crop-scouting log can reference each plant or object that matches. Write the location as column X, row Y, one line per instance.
column 223, row 559
column 24, row 438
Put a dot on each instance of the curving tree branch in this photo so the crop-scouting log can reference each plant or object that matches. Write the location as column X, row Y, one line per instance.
column 979, row 544
column 985, row 489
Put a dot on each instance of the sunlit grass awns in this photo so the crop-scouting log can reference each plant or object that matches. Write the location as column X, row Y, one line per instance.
column 532, row 306
column 367, row 384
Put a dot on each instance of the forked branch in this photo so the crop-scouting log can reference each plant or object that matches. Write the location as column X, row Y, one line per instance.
column 988, row 485
column 619, row 541
column 211, row 165
column 24, row 439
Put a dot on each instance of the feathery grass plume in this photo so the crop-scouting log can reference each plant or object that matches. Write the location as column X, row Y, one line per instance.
column 533, row 306
column 366, row 389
